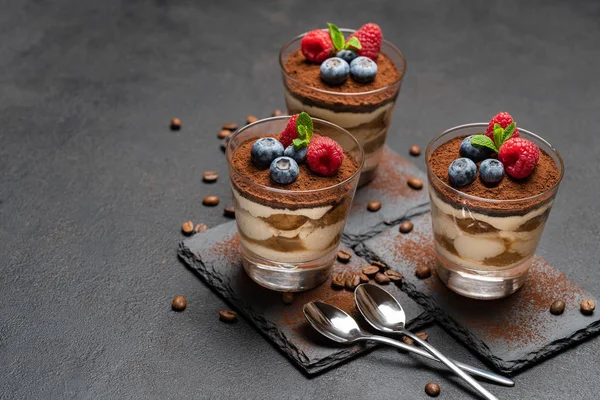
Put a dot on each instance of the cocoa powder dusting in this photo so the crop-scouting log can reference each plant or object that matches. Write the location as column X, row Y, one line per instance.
column 306, row 77
column 307, row 180
column 545, row 176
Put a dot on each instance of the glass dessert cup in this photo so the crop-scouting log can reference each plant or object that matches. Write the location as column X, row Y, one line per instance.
column 484, row 247
column 366, row 115
column 289, row 238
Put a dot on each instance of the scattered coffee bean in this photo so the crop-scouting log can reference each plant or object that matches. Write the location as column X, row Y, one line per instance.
column 200, row 228
column 230, row 126
column 374, row 206
column 423, row 272
column 557, row 307
column 407, row 340
column 394, row 275
column 363, row 278
column 415, row 150
column 352, row 282
column 210, row 176
column 406, row 227
column 229, row 212
column 432, row 389
column 370, row 270
column 587, row 306
column 422, row 335
column 210, row 201
column 382, row 279
column 382, row 267
column 187, row 227
column 348, row 281
column 179, row 303
column 175, row 124
column 338, row 281
column 227, row 316
column 277, row 113
column 250, row 119
column 343, row 256
column 223, row 133
column 287, row 297
column 415, row 183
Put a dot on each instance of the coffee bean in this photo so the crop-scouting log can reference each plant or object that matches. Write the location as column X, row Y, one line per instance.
column 175, row 124
column 363, row 278
column 210, row 176
column 382, row 279
column 210, row 201
column 587, row 306
column 277, row 113
column 200, row 228
column 179, row 303
column 223, row 133
column 379, row 264
column 422, row 335
column 407, row 340
column 374, row 206
column 557, row 307
column 415, row 150
column 423, row 272
column 338, row 281
column 343, row 256
column 371, row 270
column 432, row 389
column 352, row 282
column 227, row 316
column 187, row 227
column 415, row 183
column 394, row 275
column 406, row 227
column 287, row 297
column 229, row 212
column 250, row 119
column 230, row 126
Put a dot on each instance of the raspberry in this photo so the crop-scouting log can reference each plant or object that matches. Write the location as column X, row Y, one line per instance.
column 519, row 156
column 289, row 133
column 370, row 38
column 317, row 46
column 504, row 119
column 325, row 156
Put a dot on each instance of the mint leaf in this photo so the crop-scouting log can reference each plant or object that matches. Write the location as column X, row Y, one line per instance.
column 483, row 141
column 508, row 132
column 337, row 37
column 302, row 132
column 305, row 120
column 299, row 143
column 498, row 135
column 354, row 43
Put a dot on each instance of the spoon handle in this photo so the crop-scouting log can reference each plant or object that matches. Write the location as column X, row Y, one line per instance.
column 465, row 367
column 474, row 384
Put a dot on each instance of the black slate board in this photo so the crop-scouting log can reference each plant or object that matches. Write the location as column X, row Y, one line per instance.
column 215, row 256
column 511, row 333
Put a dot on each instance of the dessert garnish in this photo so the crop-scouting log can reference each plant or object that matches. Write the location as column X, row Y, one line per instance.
column 317, row 46
column 516, row 156
column 264, row 151
column 335, row 70
column 370, row 37
column 363, row 69
column 284, row 170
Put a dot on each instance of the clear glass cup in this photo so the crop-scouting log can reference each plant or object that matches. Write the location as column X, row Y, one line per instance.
column 290, row 238
column 366, row 115
column 484, row 247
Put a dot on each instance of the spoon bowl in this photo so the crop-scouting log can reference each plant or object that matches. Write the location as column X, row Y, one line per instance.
column 381, row 310
column 332, row 322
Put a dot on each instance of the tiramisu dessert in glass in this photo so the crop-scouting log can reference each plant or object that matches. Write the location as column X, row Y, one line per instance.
column 293, row 181
column 491, row 186
column 351, row 78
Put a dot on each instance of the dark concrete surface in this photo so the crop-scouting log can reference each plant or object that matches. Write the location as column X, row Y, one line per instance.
column 94, row 187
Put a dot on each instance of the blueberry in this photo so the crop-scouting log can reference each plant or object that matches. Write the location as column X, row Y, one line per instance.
column 334, row 71
column 347, row 55
column 284, row 170
column 491, row 170
column 298, row 155
column 264, row 151
column 462, row 172
column 363, row 69
column 475, row 153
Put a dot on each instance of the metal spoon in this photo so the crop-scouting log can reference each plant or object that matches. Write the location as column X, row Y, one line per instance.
column 384, row 313
column 340, row 327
